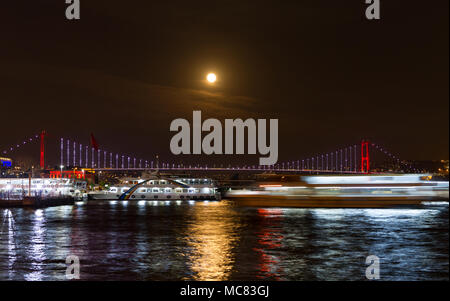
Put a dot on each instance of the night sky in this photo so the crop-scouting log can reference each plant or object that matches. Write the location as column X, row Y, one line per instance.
column 126, row 69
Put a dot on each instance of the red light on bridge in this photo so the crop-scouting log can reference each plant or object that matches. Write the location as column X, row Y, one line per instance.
column 42, row 161
column 365, row 166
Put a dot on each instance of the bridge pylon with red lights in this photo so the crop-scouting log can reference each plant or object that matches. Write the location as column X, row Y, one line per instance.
column 365, row 156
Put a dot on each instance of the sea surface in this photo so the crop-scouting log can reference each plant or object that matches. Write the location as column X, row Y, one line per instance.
column 221, row 241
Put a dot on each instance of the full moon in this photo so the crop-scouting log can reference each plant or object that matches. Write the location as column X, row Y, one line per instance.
column 211, row 78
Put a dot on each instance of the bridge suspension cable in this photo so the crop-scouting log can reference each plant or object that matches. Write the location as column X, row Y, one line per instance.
column 15, row 147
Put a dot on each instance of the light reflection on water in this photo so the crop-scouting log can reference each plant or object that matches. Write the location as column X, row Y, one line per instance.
column 36, row 247
column 209, row 242
column 218, row 241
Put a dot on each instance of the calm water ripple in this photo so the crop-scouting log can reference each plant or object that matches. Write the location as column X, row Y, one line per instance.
column 219, row 241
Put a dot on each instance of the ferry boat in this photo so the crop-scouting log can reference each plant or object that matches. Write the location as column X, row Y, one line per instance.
column 159, row 188
column 342, row 191
column 16, row 190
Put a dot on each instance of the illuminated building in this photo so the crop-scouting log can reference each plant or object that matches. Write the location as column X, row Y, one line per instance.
column 5, row 162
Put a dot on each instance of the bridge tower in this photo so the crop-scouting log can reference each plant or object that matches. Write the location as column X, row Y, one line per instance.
column 365, row 157
column 42, row 161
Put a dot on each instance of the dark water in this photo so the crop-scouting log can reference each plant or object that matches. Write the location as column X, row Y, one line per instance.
column 218, row 241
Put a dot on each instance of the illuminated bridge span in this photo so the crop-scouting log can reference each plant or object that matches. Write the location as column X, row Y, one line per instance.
column 350, row 159
column 356, row 158
column 224, row 169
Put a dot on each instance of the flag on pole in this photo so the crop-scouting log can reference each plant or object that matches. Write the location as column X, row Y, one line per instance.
column 94, row 143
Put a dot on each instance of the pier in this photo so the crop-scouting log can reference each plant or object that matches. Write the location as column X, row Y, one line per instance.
column 35, row 202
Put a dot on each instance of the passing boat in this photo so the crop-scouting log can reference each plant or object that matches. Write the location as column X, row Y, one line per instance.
column 356, row 191
column 159, row 188
column 23, row 192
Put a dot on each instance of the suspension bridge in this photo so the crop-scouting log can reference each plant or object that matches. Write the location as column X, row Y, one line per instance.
column 351, row 159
